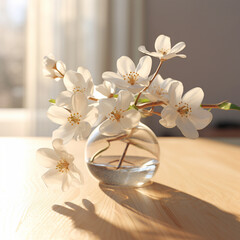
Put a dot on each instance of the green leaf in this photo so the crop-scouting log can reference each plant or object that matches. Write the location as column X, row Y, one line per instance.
column 133, row 107
column 115, row 95
column 143, row 100
column 228, row 106
column 52, row 100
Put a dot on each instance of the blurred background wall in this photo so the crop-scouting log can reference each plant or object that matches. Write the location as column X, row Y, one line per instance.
column 94, row 34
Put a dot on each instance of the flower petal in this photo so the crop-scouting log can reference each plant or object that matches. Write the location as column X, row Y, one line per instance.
column 136, row 88
column 92, row 115
column 76, row 173
column 104, row 89
column 120, row 83
column 144, row 66
column 187, row 128
column 194, row 97
column 75, row 181
column 61, row 67
column 124, row 99
column 144, row 50
column 110, row 128
column 82, row 131
column 49, row 62
column 58, row 145
column 162, row 43
column 106, row 106
column 66, row 132
column 46, row 157
column 109, row 76
column 58, row 115
column 175, row 93
column 125, row 65
column 65, row 182
column 178, row 47
column 74, row 79
column 79, row 103
column 200, row 118
column 52, row 177
column 172, row 55
column 64, row 99
column 85, row 73
column 131, row 119
column 169, row 116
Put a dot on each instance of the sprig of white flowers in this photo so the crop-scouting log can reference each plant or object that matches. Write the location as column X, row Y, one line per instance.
column 126, row 95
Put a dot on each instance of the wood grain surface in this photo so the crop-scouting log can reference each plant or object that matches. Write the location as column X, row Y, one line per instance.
column 194, row 195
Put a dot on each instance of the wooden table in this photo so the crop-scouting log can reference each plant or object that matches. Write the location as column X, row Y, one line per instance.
column 195, row 195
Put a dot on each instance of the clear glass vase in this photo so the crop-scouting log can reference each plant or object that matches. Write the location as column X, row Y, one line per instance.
column 129, row 159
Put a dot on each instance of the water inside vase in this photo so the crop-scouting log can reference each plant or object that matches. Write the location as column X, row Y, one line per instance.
column 134, row 172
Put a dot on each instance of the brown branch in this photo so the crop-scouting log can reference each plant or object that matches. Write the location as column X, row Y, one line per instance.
column 155, row 74
column 152, row 104
column 209, row 106
column 124, row 154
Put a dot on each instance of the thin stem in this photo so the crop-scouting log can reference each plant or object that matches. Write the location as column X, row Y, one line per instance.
column 106, row 148
column 117, row 138
column 150, row 112
column 55, row 68
column 209, row 106
column 124, row 153
column 156, row 113
column 155, row 74
column 151, row 104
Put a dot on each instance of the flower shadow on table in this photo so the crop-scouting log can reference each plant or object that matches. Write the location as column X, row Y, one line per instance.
column 88, row 224
column 186, row 216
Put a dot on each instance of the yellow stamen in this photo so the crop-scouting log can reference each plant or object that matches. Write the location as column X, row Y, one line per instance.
column 62, row 166
column 183, row 109
column 131, row 77
column 116, row 115
column 74, row 118
column 163, row 51
column 78, row 89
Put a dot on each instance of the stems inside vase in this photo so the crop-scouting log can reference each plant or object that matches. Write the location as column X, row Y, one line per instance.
column 123, row 155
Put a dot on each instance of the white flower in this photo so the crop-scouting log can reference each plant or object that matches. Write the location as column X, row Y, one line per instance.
column 76, row 122
column 107, row 89
column 119, row 116
column 64, row 99
column 52, row 68
column 164, row 50
column 105, row 93
column 186, row 111
column 130, row 77
column 80, row 81
column 158, row 90
column 62, row 170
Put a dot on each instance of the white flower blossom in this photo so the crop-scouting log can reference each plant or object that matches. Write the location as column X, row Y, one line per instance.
column 130, row 77
column 163, row 48
column 186, row 111
column 62, row 170
column 80, row 81
column 105, row 93
column 75, row 122
column 107, row 89
column 119, row 116
column 52, row 68
column 158, row 90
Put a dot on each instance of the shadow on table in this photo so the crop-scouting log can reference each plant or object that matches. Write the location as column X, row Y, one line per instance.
column 177, row 210
column 176, row 215
column 89, row 225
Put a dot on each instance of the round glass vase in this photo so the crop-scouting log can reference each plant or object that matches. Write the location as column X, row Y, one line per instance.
column 129, row 159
